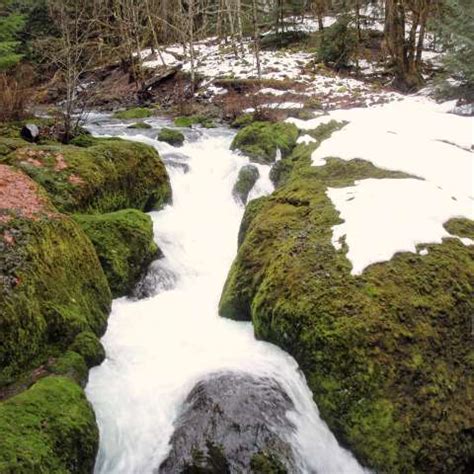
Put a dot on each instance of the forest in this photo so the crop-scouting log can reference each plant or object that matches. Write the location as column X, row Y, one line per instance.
column 236, row 236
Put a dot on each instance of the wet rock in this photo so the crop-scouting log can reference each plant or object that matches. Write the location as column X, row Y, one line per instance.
column 30, row 132
column 176, row 160
column 232, row 423
column 157, row 279
column 248, row 176
column 172, row 137
column 260, row 141
column 184, row 167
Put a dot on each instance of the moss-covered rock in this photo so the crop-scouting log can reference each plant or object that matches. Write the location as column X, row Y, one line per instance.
column 133, row 113
column 387, row 353
column 124, row 243
column 49, row 428
column 264, row 463
column 261, row 140
column 463, row 228
column 96, row 175
column 140, row 125
column 72, row 365
column 52, row 286
column 282, row 169
column 248, row 176
column 173, row 137
column 243, row 120
column 189, row 120
column 87, row 345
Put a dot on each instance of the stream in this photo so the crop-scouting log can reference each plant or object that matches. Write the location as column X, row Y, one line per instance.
column 160, row 346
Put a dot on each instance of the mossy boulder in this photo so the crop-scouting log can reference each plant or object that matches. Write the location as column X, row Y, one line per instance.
column 172, row 137
column 52, row 286
column 386, row 353
column 72, row 365
column 248, row 176
column 463, row 228
column 243, row 120
column 189, row 120
column 48, row 428
column 261, row 140
column 123, row 241
column 140, row 125
column 133, row 113
column 87, row 345
column 96, row 175
column 283, row 168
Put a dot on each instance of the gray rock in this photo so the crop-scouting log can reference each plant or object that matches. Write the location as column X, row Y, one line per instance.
column 248, row 176
column 30, row 132
column 232, row 423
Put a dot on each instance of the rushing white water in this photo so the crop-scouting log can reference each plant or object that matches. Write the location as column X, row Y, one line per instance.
column 159, row 347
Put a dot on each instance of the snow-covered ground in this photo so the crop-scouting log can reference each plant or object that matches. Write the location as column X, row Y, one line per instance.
column 418, row 137
column 215, row 59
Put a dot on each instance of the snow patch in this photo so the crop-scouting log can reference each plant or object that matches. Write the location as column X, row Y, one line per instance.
column 386, row 216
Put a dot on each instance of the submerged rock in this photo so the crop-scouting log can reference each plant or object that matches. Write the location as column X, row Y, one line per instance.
column 248, row 176
column 176, row 160
column 386, row 353
column 140, row 126
column 124, row 244
column 158, row 278
column 261, row 140
column 232, row 423
column 172, row 137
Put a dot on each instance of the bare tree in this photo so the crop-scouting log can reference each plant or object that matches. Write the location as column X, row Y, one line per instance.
column 72, row 53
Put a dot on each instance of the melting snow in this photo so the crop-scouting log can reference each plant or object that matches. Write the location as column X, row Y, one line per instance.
column 385, row 216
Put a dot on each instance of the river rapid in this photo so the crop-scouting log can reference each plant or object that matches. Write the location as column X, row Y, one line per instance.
column 159, row 347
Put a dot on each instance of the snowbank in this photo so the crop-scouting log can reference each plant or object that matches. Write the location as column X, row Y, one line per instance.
column 415, row 136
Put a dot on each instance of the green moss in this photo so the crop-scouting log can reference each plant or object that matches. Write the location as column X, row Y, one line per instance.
column 283, row 168
column 100, row 175
column 124, row 243
column 386, row 353
column 8, row 145
column 173, row 137
column 48, row 428
column 243, row 121
column 263, row 463
column 52, row 287
column 189, row 121
column 461, row 227
column 261, row 140
column 133, row 113
column 72, row 365
column 87, row 344
column 85, row 140
column 248, row 176
column 140, row 125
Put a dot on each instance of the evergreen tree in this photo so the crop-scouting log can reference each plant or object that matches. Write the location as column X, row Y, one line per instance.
column 10, row 27
column 458, row 30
